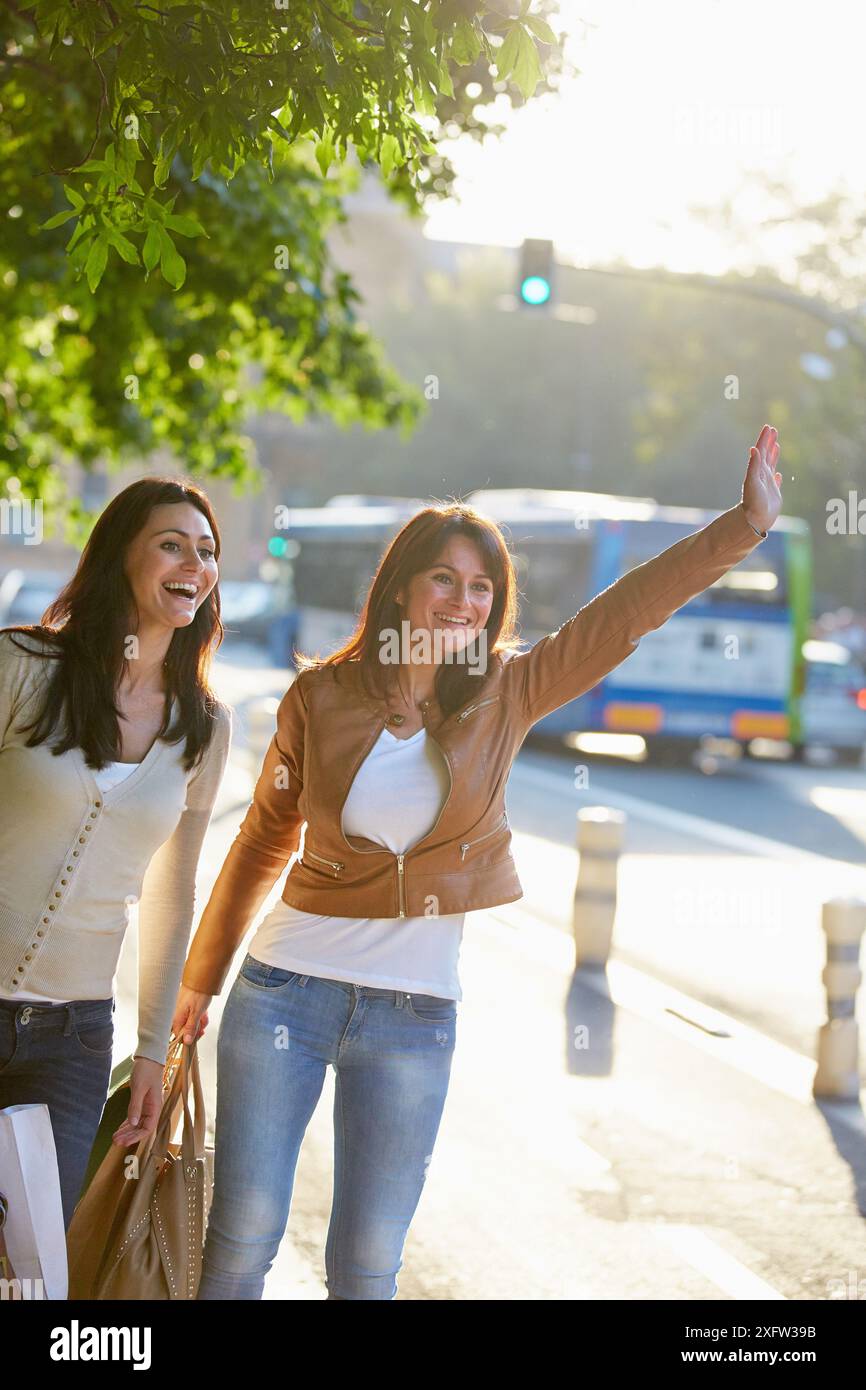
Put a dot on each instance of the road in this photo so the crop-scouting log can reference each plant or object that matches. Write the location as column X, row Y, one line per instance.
column 680, row 1155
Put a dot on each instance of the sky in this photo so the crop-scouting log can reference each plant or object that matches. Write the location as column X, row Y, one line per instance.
column 675, row 102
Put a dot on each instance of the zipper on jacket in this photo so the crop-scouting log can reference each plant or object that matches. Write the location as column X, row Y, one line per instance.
column 495, row 831
column 480, row 705
column 331, row 863
column 401, row 875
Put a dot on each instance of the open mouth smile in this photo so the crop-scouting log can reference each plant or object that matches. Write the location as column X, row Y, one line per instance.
column 181, row 589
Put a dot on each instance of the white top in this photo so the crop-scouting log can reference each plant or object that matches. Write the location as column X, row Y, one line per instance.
column 395, row 799
column 104, row 777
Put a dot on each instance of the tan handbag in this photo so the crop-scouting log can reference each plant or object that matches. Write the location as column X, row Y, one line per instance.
column 142, row 1237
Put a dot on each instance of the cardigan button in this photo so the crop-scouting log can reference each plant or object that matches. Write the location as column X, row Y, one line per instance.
column 41, row 933
column 75, row 853
column 81, row 842
column 93, row 815
column 51, row 907
column 58, row 895
column 97, row 803
column 45, row 919
column 64, row 880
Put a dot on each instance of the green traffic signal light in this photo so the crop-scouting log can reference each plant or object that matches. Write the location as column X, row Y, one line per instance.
column 277, row 546
column 534, row 289
column 536, row 272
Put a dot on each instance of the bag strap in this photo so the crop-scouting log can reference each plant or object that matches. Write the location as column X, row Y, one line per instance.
column 193, row 1137
column 156, row 1144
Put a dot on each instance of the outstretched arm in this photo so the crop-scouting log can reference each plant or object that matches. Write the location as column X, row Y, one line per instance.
column 570, row 661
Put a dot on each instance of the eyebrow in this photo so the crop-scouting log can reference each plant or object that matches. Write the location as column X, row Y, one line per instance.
column 443, row 565
column 175, row 530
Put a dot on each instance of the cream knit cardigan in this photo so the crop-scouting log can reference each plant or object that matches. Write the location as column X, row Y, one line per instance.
column 72, row 858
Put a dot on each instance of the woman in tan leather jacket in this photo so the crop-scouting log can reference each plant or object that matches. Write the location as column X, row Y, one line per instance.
column 397, row 768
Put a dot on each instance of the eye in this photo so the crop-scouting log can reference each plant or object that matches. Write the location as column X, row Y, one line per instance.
column 443, row 576
column 165, row 543
column 208, row 554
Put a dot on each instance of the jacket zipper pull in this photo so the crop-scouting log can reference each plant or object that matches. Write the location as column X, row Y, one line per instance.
column 400, row 882
column 463, row 849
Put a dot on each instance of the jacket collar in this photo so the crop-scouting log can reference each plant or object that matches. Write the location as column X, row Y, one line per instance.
column 348, row 677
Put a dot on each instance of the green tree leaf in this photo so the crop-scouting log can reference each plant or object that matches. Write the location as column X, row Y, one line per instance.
column 150, row 254
column 95, row 263
column 171, row 262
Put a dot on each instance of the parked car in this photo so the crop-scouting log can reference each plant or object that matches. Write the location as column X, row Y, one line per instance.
column 249, row 608
column 834, row 700
column 25, row 594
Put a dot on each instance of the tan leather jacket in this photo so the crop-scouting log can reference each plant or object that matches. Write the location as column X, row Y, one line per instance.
column 327, row 724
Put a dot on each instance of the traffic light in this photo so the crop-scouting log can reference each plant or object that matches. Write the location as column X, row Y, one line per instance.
column 535, row 282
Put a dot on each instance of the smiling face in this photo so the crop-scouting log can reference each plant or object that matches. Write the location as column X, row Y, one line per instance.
column 453, row 596
column 171, row 565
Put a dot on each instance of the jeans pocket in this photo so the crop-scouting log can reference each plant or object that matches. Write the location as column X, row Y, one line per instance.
column 8, row 1038
column 429, row 1008
column 95, row 1038
column 255, row 972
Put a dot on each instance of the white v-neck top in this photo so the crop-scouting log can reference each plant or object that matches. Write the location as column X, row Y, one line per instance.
column 395, row 799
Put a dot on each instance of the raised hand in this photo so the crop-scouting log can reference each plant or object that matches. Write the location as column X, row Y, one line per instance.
column 762, row 496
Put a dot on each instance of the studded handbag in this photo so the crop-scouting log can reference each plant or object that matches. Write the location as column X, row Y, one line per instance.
column 138, row 1231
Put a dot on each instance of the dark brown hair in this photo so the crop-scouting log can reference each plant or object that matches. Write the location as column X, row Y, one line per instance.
column 86, row 627
column 414, row 549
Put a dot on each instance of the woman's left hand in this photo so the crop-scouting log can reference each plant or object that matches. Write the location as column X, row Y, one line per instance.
column 762, row 497
column 145, row 1102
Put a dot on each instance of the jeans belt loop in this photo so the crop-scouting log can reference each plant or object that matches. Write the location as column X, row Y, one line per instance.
column 70, row 1021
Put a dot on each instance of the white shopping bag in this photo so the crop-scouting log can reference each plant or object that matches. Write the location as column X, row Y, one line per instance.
column 29, row 1180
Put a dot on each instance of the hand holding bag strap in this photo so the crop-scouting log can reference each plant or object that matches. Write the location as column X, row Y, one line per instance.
column 193, row 1136
column 155, row 1145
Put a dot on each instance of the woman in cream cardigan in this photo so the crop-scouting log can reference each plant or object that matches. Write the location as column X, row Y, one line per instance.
column 112, row 748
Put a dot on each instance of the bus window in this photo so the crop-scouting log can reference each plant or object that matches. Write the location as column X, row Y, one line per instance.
column 759, row 579
column 552, row 577
column 334, row 575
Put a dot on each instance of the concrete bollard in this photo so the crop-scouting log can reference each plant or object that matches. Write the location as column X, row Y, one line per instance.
column 261, row 722
column 599, row 841
column 837, row 1074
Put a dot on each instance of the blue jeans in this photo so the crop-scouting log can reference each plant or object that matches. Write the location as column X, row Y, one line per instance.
column 392, row 1053
column 60, row 1054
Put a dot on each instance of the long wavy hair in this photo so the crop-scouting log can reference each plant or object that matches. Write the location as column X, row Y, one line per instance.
column 414, row 549
column 86, row 628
